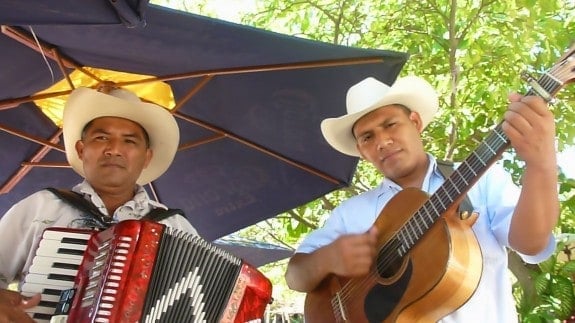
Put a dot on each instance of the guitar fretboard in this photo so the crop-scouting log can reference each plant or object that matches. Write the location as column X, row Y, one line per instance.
column 461, row 180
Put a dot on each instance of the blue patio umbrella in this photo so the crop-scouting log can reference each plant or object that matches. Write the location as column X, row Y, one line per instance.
column 257, row 253
column 248, row 102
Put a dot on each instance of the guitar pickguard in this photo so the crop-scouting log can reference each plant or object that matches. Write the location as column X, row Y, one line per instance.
column 381, row 300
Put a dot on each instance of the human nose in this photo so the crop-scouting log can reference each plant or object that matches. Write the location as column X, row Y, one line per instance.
column 112, row 148
column 383, row 141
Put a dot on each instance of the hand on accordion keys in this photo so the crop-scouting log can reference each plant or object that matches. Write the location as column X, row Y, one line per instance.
column 12, row 306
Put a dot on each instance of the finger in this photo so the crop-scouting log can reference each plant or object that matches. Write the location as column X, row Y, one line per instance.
column 514, row 97
column 28, row 302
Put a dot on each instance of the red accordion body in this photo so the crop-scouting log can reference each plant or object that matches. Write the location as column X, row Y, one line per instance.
column 142, row 271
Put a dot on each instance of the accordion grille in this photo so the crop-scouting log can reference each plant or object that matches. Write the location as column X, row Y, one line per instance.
column 191, row 282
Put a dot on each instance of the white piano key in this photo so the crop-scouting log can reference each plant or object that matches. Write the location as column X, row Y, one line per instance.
column 42, row 310
column 45, row 279
column 46, row 261
column 53, row 247
column 59, row 235
column 35, row 269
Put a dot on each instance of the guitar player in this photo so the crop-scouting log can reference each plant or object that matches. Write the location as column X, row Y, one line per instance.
column 383, row 125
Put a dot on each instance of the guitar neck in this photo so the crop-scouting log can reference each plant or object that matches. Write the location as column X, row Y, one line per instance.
column 466, row 175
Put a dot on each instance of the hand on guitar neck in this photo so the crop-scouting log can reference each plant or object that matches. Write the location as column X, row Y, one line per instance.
column 530, row 127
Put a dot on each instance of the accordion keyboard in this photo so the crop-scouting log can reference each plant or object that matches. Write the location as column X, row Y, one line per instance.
column 54, row 268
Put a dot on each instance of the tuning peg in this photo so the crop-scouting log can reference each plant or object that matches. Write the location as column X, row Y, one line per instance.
column 537, row 88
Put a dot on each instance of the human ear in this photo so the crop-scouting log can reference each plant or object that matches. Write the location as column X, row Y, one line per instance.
column 79, row 146
column 415, row 118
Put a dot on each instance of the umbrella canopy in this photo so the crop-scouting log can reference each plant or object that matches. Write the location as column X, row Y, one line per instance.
column 257, row 253
column 248, row 102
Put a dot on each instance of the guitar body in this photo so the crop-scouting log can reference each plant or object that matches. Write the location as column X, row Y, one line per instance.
column 436, row 277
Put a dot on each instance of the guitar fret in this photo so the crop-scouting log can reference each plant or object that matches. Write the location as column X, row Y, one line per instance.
column 410, row 236
column 490, row 149
column 461, row 175
column 501, row 136
column 420, row 231
column 452, row 183
column 427, row 213
column 402, row 238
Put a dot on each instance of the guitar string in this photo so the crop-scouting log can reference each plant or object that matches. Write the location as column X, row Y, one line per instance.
column 387, row 260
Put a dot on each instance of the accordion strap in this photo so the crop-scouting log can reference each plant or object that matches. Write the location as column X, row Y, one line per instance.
column 78, row 201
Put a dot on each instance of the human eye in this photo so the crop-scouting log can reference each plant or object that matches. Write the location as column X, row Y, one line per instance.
column 364, row 139
column 390, row 124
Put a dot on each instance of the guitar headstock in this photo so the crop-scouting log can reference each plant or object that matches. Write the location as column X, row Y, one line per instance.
column 564, row 69
column 560, row 74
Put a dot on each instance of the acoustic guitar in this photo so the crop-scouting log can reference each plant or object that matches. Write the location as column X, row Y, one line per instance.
column 428, row 262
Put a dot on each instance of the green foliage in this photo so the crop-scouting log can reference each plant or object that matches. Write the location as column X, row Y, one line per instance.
column 473, row 52
column 554, row 289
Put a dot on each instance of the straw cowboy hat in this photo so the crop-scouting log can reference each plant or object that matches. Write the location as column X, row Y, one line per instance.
column 411, row 91
column 85, row 105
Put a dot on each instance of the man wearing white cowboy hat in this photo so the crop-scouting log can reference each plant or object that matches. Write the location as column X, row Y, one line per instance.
column 117, row 143
column 383, row 126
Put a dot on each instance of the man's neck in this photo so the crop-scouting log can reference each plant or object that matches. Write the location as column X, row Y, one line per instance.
column 113, row 199
column 417, row 176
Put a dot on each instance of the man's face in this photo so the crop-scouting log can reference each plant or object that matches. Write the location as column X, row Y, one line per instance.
column 389, row 138
column 113, row 152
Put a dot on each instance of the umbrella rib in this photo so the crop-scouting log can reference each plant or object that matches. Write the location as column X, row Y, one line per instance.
column 35, row 139
column 253, row 145
column 25, row 39
column 24, row 169
column 259, row 68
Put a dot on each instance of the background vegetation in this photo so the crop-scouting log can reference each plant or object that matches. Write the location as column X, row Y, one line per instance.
column 473, row 52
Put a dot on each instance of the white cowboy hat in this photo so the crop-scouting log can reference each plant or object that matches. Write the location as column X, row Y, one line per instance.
column 411, row 91
column 85, row 105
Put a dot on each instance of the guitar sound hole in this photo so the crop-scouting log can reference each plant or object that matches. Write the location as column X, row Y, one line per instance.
column 388, row 259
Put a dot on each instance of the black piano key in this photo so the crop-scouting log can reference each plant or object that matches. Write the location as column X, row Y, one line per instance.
column 67, row 251
column 75, row 241
column 61, row 277
column 63, row 265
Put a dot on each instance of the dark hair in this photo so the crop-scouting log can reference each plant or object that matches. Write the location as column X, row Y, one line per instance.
column 89, row 124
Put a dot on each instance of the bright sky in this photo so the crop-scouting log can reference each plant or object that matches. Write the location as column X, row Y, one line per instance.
column 566, row 160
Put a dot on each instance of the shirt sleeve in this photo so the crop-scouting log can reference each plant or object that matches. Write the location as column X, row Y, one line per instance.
column 179, row 222
column 332, row 229
column 497, row 195
column 19, row 236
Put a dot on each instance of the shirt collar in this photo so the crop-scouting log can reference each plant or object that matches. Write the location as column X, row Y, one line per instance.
column 432, row 170
column 140, row 203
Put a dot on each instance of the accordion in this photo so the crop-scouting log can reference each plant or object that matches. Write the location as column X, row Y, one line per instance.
column 142, row 271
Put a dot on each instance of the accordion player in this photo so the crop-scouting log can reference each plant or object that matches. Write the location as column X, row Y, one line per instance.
column 144, row 271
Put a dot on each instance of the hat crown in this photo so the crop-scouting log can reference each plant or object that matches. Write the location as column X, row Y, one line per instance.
column 364, row 94
column 124, row 95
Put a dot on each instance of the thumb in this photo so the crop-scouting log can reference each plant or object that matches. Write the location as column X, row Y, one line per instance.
column 28, row 302
column 373, row 233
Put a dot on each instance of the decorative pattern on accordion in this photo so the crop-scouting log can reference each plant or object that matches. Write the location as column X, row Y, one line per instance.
column 140, row 271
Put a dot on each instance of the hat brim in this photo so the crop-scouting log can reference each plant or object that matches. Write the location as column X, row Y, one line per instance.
column 85, row 105
column 412, row 92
